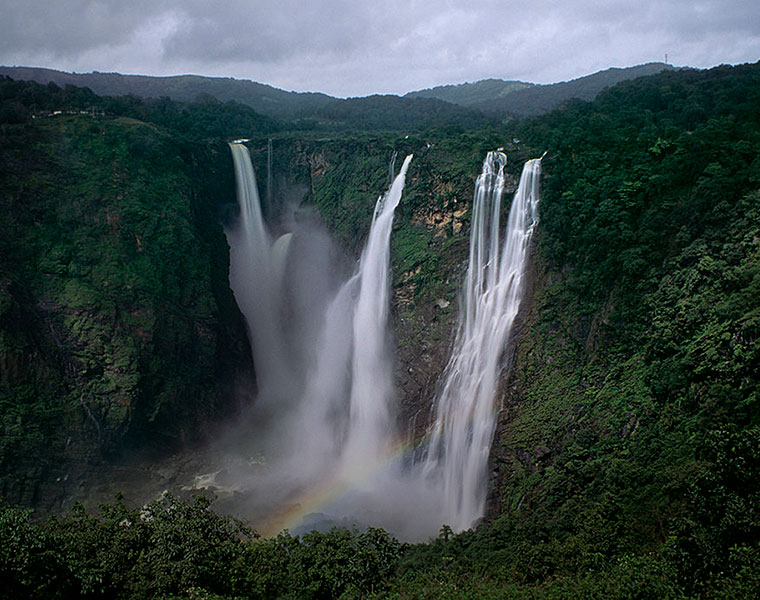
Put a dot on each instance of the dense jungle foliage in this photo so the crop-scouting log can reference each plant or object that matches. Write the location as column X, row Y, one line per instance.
column 117, row 324
column 239, row 105
column 627, row 457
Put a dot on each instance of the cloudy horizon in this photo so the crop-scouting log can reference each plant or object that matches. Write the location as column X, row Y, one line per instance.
column 359, row 48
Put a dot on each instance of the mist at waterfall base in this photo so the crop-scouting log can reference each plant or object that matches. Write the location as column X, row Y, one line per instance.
column 320, row 445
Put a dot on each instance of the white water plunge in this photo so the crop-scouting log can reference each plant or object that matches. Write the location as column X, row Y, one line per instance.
column 330, row 419
column 256, row 275
column 333, row 452
column 462, row 433
column 349, row 392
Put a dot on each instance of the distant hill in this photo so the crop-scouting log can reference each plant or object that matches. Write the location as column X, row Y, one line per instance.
column 263, row 98
column 501, row 98
column 471, row 94
column 540, row 99
column 464, row 104
column 372, row 112
column 399, row 113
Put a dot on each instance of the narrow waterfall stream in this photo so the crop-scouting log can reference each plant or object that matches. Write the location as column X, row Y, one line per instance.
column 346, row 421
column 256, row 272
column 461, row 436
column 371, row 429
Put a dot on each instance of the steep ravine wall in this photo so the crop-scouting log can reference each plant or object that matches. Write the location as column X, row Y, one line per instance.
column 121, row 338
column 510, row 390
column 118, row 331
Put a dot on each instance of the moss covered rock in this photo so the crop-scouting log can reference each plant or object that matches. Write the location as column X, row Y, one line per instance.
column 113, row 278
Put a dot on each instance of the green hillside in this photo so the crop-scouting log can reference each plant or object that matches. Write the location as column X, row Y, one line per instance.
column 307, row 110
column 520, row 99
column 626, row 461
column 470, row 94
column 540, row 99
column 184, row 88
column 117, row 325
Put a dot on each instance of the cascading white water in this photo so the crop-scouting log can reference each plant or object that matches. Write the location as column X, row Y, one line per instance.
column 336, row 422
column 336, row 429
column 370, row 429
column 461, row 436
column 256, row 273
column 348, row 396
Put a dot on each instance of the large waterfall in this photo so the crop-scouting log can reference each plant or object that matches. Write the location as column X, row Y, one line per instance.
column 349, row 393
column 331, row 452
column 370, row 428
column 461, row 437
column 329, row 416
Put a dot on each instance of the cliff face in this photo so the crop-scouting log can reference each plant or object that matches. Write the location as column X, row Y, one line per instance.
column 633, row 395
column 120, row 335
column 117, row 327
column 342, row 179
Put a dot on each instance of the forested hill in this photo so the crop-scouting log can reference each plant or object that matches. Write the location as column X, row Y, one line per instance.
column 626, row 462
column 540, row 99
column 184, row 88
column 301, row 110
column 422, row 108
column 22, row 101
column 470, row 94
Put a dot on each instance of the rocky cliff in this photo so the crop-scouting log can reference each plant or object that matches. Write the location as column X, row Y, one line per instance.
column 117, row 327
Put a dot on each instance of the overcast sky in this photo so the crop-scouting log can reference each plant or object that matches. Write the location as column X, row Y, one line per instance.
column 360, row 47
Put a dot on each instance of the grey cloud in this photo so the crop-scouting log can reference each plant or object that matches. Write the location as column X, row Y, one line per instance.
column 361, row 47
column 71, row 27
column 256, row 31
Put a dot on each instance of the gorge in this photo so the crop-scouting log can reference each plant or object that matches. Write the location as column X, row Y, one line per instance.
column 342, row 426
column 618, row 449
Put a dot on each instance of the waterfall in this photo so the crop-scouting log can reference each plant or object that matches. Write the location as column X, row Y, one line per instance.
column 392, row 168
column 329, row 418
column 269, row 174
column 460, row 441
column 330, row 444
column 371, row 383
column 256, row 271
column 349, row 392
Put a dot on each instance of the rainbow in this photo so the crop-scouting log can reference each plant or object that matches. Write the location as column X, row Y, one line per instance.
column 318, row 496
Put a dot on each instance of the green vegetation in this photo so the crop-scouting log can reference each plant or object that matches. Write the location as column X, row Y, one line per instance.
column 182, row 549
column 245, row 106
column 627, row 456
column 117, row 325
column 469, row 94
column 417, row 110
column 540, row 99
column 263, row 98
column 205, row 117
column 631, row 425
